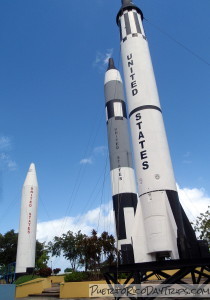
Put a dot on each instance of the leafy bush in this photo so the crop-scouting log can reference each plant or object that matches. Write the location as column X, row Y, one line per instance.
column 56, row 271
column 76, row 276
column 67, row 270
column 45, row 272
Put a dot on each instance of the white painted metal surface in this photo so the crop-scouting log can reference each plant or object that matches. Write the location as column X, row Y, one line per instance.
column 152, row 160
column 28, row 223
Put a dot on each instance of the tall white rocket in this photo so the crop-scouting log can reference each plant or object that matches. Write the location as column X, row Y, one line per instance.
column 167, row 230
column 28, row 223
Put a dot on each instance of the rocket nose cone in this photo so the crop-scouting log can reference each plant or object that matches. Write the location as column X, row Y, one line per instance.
column 32, row 168
column 111, row 64
column 112, row 72
column 31, row 178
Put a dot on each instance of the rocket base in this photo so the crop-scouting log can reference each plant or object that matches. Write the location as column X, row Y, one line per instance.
column 198, row 270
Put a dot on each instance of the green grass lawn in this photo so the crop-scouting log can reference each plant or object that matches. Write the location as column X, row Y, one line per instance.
column 26, row 278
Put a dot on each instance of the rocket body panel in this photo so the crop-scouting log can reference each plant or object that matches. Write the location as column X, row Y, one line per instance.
column 117, row 136
column 111, row 77
column 28, row 223
column 123, row 180
column 141, row 253
column 154, row 167
column 139, row 75
column 160, row 232
column 147, row 127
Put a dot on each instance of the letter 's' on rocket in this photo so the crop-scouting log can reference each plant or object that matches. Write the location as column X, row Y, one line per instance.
column 28, row 223
column 122, row 174
column 167, row 229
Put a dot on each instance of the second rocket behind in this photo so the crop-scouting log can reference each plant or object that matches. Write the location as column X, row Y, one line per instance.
column 122, row 174
column 28, row 223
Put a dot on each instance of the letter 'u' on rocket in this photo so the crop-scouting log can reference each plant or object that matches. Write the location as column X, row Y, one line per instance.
column 121, row 170
column 168, row 231
column 28, row 223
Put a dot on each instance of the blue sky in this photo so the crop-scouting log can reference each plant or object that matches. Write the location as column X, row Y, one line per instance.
column 53, row 57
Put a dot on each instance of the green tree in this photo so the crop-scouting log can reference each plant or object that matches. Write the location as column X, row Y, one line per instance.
column 8, row 248
column 42, row 255
column 91, row 254
column 108, row 248
column 83, row 250
column 97, row 250
column 202, row 226
column 70, row 245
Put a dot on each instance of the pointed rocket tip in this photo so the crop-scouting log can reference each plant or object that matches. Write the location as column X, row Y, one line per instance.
column 126, row 2
column 31, row 178
column 32, row 167
column 111, row 64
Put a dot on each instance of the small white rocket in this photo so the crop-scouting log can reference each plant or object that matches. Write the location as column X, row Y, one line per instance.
column 28, row 223
column 167, row 230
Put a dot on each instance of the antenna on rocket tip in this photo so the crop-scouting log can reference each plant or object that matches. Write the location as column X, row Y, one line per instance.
column 111, row 64
column 126, row 2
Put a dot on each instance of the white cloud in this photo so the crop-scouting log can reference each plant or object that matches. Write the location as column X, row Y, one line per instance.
column 5, row 159
column 186, row 158
column 7, row 162
column 107, row 56
column 194, row 201
column 102, row 59
column 86, row 161
column 101, row 219
column 5, row 142
column 100, row 150
column 12, row 165
column 187, row 154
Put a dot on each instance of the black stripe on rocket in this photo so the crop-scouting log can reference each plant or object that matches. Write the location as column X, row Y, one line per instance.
column 187, row 243
column 127, row 24
column 143, row 107
column 138, row 28
column 120, row 202
column 127, row 254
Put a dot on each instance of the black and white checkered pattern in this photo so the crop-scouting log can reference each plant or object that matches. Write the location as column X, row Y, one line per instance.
column 130, row 24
